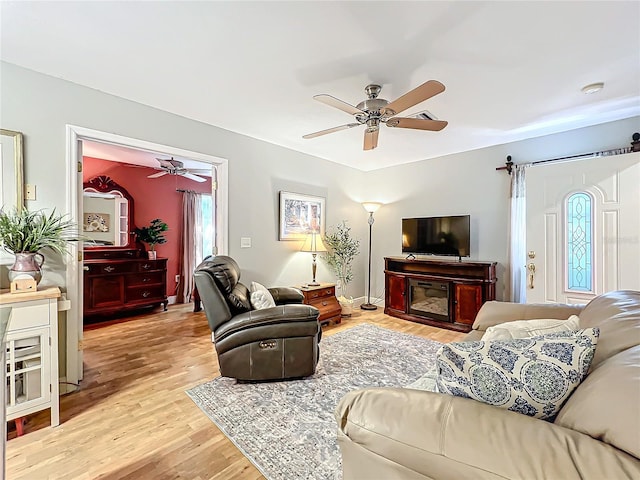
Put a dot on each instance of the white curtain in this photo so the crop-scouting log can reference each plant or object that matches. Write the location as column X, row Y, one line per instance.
column 518, row 236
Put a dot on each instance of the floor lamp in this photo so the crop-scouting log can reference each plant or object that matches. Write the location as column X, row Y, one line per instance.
column 313, row 244
column 370, row 207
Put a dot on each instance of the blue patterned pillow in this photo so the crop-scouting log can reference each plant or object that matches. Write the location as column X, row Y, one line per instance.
column 533, row 376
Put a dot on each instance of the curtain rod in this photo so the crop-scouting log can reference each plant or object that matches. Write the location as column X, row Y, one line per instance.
column 183, row 190
column 635, row 147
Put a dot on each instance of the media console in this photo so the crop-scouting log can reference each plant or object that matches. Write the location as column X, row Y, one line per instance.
column 440, row 293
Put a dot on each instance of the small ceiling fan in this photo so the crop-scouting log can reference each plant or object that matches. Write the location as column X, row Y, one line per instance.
column 374, row 111
column 175, row 167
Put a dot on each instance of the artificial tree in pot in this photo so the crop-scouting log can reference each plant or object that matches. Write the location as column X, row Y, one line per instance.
column 152, row 235
column 24, row 234
column 342, row 249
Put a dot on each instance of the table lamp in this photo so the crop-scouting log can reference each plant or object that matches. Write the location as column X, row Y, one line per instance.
column 313, row 244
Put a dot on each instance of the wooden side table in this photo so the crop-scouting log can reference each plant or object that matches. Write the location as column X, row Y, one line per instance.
column 323, row 297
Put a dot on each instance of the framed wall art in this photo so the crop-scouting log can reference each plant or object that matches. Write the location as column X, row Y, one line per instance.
column 96, row 222
column 300, row 215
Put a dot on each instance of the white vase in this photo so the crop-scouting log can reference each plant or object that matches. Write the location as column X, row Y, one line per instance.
column 347, row 305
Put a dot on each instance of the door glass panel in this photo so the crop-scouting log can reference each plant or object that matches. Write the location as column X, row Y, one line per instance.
column 579, row 242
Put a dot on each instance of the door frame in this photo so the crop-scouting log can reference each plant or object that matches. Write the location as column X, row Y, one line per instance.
column 74, row 276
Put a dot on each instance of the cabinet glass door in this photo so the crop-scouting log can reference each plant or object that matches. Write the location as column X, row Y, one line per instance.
column 27, row 375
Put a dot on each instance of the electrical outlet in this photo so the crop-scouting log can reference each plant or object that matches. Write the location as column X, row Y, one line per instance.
column 177, row 278
column 30, row 192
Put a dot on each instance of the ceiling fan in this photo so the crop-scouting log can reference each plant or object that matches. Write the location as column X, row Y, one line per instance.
column 175, row 167
column 374, row 111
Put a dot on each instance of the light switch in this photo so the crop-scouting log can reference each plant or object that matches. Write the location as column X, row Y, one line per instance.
column 245, row 242
column 29, row 192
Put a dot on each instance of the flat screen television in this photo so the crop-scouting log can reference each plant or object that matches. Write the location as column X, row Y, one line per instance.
column 437, row 235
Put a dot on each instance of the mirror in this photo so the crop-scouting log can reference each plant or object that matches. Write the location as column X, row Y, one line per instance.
column 11, row 173
column 107, row 214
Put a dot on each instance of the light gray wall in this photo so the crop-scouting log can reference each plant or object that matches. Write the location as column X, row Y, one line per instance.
column 41, row 106
column 467, row 183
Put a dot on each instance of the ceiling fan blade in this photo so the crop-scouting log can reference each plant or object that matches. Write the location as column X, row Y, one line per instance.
column 156, row 175
column 193, row 177
column 417, row 123
column 331, row 130
column 337, row 103
column 371, row 139
column 415, row 96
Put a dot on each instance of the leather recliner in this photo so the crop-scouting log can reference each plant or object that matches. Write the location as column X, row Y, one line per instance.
column 269, row 344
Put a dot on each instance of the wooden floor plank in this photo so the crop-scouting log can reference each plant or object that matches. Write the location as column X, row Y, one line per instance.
column 131, row 418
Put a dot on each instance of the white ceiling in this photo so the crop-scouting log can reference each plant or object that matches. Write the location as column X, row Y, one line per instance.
column 134, row 156
column 513, row 70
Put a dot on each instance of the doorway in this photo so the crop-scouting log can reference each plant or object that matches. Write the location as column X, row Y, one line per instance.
column 74, row 273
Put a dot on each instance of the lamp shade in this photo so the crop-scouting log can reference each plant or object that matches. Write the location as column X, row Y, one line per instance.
column 313, row 243
column 371, row 207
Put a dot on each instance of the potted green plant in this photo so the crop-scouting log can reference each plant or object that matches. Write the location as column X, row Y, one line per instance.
column 25, row 234
column 152, row 236
column 342, row 249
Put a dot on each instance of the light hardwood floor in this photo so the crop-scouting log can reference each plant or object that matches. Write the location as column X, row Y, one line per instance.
column 131, row 419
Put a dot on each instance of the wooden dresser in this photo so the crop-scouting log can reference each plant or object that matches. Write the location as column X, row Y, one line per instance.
column 323, row 297
column 117, row 280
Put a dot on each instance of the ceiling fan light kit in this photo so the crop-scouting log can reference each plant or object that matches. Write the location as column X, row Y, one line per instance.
column 373, row 111
column 175, row 167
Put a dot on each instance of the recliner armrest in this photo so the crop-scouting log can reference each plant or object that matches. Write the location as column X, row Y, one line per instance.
column 284, row 295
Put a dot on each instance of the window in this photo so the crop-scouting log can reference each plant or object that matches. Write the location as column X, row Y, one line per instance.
column 207, row 225
column 579, row 242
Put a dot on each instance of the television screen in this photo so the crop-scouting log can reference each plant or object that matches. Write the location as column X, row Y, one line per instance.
column 437, row 235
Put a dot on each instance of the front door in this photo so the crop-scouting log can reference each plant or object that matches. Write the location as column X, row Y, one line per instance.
column 583, row 228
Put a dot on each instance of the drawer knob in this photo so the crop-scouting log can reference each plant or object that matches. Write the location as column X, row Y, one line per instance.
column 146, row 279
column 146, row 266
column 145, row 294
column 109, row 269
column 324, row 304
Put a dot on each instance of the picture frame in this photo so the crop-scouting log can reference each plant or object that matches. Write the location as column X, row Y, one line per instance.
column 300, row 215
column 96, row 222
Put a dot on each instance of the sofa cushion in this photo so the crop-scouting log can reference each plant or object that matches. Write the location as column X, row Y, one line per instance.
column 606, row 405
column 261, row 296
column 495, row 313
column 533, row 376
column 238, row 299
column 530, row 328
column 617, row 315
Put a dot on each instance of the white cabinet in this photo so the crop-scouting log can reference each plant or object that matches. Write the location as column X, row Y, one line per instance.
column 31, row 353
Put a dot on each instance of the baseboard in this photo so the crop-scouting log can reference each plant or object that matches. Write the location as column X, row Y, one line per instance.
column 172, row 299
column 357, row 301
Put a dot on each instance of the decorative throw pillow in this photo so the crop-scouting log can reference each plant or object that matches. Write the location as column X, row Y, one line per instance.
column 533, row 376
column 426, row 382
column 530, row 328
column 261, row 297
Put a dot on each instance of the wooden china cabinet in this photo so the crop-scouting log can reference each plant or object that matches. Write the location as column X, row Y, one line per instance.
column 119, row 277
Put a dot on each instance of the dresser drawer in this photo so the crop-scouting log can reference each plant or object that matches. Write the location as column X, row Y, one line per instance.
column 141, row 279
column 135, row 294
column 329, row 307
column 313, row 295
column 149, row 265
column 108, row 268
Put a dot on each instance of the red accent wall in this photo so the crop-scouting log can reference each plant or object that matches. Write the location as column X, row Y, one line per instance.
column 153, row 198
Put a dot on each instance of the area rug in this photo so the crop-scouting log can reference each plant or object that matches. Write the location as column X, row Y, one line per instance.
column 287, row 429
